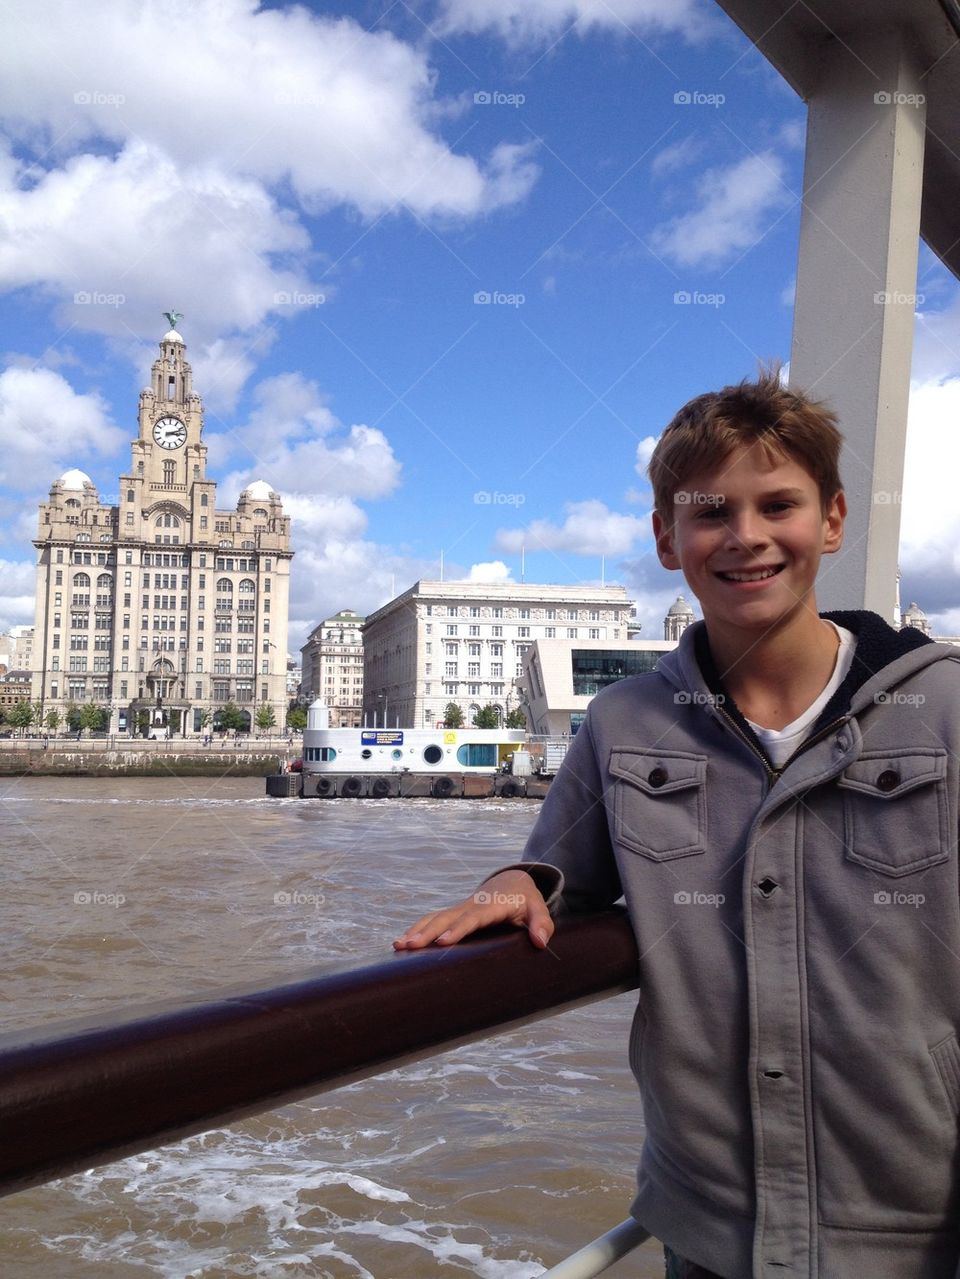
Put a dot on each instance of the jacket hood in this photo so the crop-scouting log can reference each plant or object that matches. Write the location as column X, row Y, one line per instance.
column 882, row 659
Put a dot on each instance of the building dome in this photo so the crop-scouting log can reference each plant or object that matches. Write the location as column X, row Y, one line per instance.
column 74, row 480
column 679, row 608
column 172, row 336
column 259, row 488
column 915, row 616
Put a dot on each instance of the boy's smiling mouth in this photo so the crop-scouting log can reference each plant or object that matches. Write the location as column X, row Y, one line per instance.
column 749, row 575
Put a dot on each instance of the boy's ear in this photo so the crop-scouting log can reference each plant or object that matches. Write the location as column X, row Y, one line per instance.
column 836, row 513
column 663, row 534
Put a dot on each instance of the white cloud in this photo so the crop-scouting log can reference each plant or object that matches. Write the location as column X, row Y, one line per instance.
column 19, row 593
column 677, row 155
column 733, row 212
column 46, row 427
column 109, row 237
column 334, row 573
column 538, row 20
column 169, row 152
column 293, row 441
column 590, row 528
column 644, row 453
column 936, row 342
column 489, row 571
column 930, row 513
column 282, row 96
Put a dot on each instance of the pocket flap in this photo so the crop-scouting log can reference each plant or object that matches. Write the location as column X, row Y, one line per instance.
column 658, row 772
column 896, row 773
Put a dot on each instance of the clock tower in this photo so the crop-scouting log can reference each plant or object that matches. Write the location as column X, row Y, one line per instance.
column 168, row 453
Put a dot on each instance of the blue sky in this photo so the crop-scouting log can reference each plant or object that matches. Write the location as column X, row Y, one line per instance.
column 447, row 268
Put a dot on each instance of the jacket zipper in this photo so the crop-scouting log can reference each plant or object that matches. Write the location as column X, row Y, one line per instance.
column 771, row 772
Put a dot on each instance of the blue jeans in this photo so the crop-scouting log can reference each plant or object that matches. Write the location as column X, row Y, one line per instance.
column 678, row 1268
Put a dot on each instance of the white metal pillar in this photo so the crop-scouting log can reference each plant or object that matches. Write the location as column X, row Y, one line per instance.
column 856, row 287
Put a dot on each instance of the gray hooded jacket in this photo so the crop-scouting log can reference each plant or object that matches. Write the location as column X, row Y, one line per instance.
column 795, row 1041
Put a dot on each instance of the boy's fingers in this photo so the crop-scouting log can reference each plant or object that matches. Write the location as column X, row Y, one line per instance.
column 446, row 927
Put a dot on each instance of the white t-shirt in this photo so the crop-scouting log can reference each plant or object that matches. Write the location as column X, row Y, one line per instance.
column 780, row 743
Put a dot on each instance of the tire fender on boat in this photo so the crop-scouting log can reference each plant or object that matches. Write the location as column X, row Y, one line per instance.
column 325, row 786
column 509, row 790
column 442, row 787
column 380, row 788
column 352, row 787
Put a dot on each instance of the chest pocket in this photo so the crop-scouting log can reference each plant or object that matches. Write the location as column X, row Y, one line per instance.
column 659, row 806
column 895, row 815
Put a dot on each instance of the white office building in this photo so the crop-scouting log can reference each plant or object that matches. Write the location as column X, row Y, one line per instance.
column 464, row 642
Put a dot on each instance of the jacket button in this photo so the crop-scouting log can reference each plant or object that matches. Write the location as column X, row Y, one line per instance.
column 657, row 776
column 888, row 780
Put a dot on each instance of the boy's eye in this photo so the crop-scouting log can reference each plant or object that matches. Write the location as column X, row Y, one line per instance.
column 779, row 506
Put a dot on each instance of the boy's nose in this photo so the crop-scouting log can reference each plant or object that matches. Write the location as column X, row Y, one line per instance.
column 747, row 528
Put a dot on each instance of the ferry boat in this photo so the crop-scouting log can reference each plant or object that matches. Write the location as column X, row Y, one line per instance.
column 445, row 763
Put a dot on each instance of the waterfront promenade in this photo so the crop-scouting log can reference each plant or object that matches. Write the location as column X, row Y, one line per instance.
column 118, row 755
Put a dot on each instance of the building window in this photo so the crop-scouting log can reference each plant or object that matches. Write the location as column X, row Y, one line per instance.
column 571, row 632
column 498, row 612
column 473, row 630
column 450, row 668
column 473, row 670
column 524, row 612
column 523, row 632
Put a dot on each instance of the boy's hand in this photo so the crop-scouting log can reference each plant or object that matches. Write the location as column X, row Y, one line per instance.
column 510, row 897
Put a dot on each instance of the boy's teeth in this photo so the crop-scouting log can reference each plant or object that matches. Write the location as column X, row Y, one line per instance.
column 750, row 577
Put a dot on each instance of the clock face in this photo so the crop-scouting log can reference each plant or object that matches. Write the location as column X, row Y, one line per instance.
column 169, row 432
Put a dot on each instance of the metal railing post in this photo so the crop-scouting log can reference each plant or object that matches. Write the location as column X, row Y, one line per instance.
column 597, row 1256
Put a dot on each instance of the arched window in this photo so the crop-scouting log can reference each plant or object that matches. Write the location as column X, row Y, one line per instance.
column 247, row 586
column 104, row 582
column 129, row 495
column 261, row 512
column 203, row 499
column 72, row 501
column 224, row 585
column 81, row 581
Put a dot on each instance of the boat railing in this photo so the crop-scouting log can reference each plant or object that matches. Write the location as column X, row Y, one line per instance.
column 77, row 1094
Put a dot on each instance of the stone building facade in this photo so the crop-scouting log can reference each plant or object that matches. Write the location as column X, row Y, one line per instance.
column 464, row 642
column 332, row 668
column 161, row 607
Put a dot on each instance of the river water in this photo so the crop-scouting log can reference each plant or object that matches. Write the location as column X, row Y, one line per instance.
column 496, row 1160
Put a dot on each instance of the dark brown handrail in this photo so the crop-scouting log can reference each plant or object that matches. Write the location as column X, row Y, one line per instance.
column 81, row 1093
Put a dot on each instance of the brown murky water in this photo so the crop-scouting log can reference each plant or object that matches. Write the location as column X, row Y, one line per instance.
column 495, row 1160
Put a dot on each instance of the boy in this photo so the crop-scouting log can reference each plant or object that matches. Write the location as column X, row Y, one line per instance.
column 777, row 803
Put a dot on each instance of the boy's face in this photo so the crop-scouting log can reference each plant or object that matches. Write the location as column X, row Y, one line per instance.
column 748, row 538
